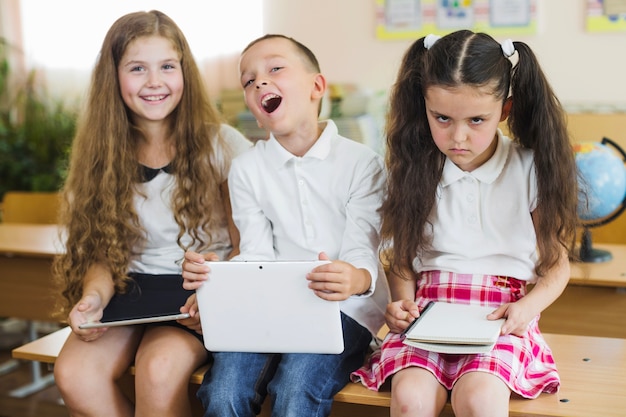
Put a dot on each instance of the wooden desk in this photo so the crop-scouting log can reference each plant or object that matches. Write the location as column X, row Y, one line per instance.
column 594, row 302
column 602, row 274
column 26, row 252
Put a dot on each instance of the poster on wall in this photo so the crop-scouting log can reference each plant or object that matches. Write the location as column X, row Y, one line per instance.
column 606, row 15
column 410, row 19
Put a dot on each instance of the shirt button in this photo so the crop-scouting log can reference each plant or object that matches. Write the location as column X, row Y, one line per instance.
column 470, row 198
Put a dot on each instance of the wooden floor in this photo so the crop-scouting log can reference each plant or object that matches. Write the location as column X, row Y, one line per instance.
column 592, row 311
column 46, row 403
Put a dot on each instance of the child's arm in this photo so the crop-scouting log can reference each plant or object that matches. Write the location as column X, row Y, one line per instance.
column 545, row 292
column 402, row 310
column 338, row 280
column 98, row 289
column 191, row 307
column 195, row 269
column 232, row 229
column 255, row 229
column 547, row 289
column 356, row 270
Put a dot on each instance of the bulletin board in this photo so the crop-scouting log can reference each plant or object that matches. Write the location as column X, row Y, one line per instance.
column 606, row 15
column 411, row 19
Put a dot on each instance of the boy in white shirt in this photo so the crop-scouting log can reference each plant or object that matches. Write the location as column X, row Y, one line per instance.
column 305, row 193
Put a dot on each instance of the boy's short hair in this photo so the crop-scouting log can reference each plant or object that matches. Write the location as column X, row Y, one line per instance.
column 308, row 55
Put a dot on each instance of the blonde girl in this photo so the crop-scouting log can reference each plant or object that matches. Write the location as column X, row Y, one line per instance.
column 146, row 181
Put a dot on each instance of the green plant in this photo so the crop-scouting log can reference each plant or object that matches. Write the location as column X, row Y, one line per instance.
column 35, row 133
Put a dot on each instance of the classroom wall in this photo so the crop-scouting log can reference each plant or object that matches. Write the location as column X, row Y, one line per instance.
column 585, row 69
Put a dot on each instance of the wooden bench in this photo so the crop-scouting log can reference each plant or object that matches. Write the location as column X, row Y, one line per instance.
column 592, row 369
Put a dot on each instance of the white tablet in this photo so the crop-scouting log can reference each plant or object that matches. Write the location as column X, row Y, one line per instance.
column 267, row 307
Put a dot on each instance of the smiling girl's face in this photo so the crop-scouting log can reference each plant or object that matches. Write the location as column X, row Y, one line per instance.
column 151, row 78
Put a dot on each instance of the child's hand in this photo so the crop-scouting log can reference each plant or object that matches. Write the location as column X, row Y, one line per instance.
column 191, row 307
column 88, row 309
column 337, row 280
column 195, row 270
column 517, row 315
column 400, row 314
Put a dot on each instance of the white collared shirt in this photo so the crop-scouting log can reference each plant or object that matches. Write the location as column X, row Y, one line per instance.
column 482, row 220
column 159, row 253
column 292, row 208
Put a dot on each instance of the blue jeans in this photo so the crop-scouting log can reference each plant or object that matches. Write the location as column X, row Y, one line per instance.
column 299, row 384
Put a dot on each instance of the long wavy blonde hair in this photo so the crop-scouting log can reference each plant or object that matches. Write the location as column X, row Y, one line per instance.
column 97, row 210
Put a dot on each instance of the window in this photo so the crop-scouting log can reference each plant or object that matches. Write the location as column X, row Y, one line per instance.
column 67, row 34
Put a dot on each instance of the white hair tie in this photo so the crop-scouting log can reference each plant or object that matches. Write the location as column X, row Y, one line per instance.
column 430, row 40
column 507, row 48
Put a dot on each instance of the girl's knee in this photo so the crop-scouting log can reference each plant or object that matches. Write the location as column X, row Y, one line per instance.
column 162, row 368
column 408, row 400
column 480, row 394
column 64, row 376
column 416, row 392
column 404, row 391
column 157, row 371
column 71, row 376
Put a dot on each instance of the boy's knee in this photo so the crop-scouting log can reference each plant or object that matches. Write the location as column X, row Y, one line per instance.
column 225, row 401
column 295, row 403
column 223, row 394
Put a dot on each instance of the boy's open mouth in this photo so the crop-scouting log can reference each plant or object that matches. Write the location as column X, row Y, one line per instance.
column 271, row 102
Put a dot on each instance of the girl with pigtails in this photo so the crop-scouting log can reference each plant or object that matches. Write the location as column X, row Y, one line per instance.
column 472, row 216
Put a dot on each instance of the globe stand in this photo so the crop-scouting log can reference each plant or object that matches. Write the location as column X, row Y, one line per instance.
column 587, row 253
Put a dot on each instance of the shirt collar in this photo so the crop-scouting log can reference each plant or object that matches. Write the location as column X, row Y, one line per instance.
column 148, row 174
column 487, row 172
column 319, row 150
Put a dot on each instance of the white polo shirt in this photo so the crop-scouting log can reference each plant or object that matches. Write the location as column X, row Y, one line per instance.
column 291, row 208
column 160, row 254
column 482, row 219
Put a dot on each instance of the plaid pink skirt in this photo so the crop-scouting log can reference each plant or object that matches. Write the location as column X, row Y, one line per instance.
column 525, row 363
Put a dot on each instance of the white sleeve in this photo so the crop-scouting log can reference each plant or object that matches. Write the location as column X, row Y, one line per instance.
column 361, row 239
column 255, row 230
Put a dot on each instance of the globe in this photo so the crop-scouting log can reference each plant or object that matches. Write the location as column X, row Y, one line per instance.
column 602, row 185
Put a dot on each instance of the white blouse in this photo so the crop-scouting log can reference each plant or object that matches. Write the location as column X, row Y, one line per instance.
column 159, row 252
